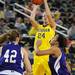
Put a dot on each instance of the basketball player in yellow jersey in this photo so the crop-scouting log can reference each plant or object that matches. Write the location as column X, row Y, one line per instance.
column 44, row 33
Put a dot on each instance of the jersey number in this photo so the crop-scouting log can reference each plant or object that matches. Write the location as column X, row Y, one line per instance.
column 10, row 58
column 41, row 35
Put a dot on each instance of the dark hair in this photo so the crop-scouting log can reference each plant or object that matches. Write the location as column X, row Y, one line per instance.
column 62, row 41
column 13, row 34
column 2, row 19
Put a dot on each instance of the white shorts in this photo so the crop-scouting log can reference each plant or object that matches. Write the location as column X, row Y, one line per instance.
column 9, row 72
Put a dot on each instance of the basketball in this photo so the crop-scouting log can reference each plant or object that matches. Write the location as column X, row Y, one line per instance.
column 37, row 2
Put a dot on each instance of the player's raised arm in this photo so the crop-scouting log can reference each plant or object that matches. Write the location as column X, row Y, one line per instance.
column 26, row 61
column 33, row 14
column 32, row 17
column 49, row 16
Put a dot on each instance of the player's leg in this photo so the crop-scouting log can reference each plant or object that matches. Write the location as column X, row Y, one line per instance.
column 41, row 69
column 38, row 69
column 47, row 68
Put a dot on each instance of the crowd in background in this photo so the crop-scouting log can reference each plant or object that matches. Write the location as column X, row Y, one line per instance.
column 63, row 16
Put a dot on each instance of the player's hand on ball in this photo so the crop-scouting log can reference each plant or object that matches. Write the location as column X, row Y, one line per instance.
column 37, row 2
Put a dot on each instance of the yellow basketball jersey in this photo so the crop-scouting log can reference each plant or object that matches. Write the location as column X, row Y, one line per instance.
column 32, row 31
column 45, row 34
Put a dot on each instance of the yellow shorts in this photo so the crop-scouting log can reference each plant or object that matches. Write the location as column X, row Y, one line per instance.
column 40, row 67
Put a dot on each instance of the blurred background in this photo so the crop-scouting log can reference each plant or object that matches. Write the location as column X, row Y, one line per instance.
column 12, row 17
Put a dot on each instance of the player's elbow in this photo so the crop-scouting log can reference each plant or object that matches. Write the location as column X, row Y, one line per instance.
column 29, row 69
column 38, row 53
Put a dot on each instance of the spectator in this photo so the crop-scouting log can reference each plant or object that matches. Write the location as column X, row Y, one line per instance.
column 29, row 6
column 71, row 31
column 9, row 13
column 27, row 24
column 1, row 12
column 3, row 26
column 10, row 1
column 19, row 24
column 57, row 15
